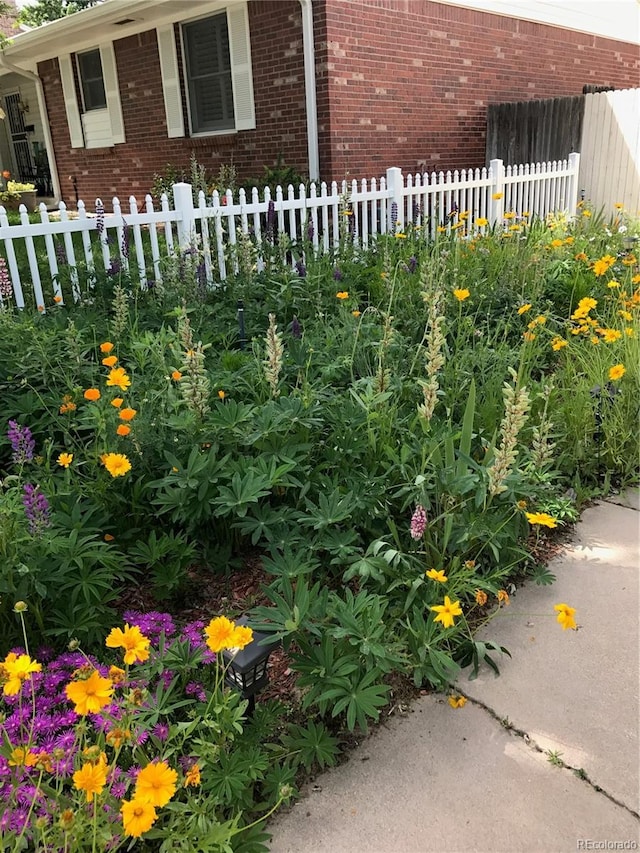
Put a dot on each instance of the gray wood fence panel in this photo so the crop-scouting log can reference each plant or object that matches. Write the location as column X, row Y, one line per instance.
column 534, row 131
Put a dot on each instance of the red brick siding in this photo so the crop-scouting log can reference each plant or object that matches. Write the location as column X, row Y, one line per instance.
column 408, row 81
column 127, row 169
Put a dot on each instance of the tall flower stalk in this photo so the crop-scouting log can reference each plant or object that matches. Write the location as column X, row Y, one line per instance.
column 516, row 409
column 273, row 359
column 435, row 357
column 541, row 444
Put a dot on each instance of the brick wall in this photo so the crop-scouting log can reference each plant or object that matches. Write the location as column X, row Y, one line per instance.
column 408, row 81
column 127, row 169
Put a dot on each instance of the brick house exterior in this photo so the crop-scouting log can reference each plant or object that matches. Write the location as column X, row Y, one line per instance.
column 397, row 82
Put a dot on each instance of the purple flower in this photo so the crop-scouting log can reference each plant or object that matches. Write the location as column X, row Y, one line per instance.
column 125, row 240
column 418, row 522
column 36, row 509
column 310, row 231
column 301, row 269
column 152, row 624
column 116, row 267
column 412, row 263
column 22, row 442
column 394, row 214
column 271, row 221
column 160, row 731
column 6, row 288
column 337, row 274
column 99, row 217
column 296, row 328
column 195, row 689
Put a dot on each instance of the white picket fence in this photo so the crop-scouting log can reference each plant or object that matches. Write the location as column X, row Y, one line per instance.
column 314, row 222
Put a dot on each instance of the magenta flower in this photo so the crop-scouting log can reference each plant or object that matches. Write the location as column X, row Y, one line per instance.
column 22, row 442
column 418, row 522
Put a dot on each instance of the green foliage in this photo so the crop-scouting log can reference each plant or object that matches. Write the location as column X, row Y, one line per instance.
column 43, row 11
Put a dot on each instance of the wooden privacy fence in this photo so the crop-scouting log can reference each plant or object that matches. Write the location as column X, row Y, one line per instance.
column 137, row 241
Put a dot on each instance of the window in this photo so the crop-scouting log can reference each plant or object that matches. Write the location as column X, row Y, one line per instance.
column 208, row 74
column 91, row 80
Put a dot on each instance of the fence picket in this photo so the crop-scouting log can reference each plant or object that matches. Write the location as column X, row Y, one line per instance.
column 137, row 240
column 153, row 239
column 71, row 255
column 51, row 257
column 86, row 241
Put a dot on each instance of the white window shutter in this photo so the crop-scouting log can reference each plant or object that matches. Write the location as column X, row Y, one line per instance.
column 170, row 81
column 70, row 101
column 241, row 72
column 112, row 92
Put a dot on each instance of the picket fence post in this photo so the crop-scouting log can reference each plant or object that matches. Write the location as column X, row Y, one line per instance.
column 395, row 185
column 573, row 190
column 496, row 205
column 186, row 222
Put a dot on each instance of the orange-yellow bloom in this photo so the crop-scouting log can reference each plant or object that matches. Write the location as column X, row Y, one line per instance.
column 118, row 378
column 132, row 640
column 91, row 778
column 92, row 394
column 16, row 669
column 219, row 634
column 90, row 695
column 461, row 294
column 65, row 459
column 617, row 372
column 138, row 816
column 106, row 347
column 117, row 402
column 156, row 784
column 176, row 375
column 127, row 414
column 436, row 575
column 541, row 518
column 457, row 701
column 565, row 616
column 123, row 429
column 110, row 361
column 342, row 294
column 192, row 776
column 447, row 611
column 116, row 464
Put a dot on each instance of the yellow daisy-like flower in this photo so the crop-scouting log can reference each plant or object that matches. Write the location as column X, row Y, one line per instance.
column 613, row 283
column 22, row 757
column 17, row 669
column 524, row 308
column 110, row 361
column 91, row 778
column 557, row 243
column 156, row 784
column 132, row 640
column 541, row 518
column 106, row 347
column 436, row 575
column 481, row 222
column 241, row 637
column 441, row 229
column 117, row 675
column 565, row 616
column 116, row 464
column 90, row 695
column 65, row 459
column 219, row 634
column 529, row 336
column 481, row 597
column 342, row 294
column 617, row 372
column 138, row 816
column 92, row 394
column 558, row 344
column 503, row 596
column 497, row 196
column 447, row 611
column 127, row 414
column 461, row 294
column 118, row 378
column 192, row 776
column 610, row 336
column 457, row 701
column 356, row 313
column 221, row 394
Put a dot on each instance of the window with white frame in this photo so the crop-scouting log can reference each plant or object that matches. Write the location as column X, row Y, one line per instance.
column 91, row 80
column 216, row 78
column 207, row 69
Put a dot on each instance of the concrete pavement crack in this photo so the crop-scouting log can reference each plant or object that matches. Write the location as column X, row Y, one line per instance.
column 506, row 724
column 622, row 506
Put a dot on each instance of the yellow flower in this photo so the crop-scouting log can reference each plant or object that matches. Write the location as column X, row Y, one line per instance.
column 618, row 205
column 118, row 378
column 219, row 634
column 17, row 669
column 441, row 229
column 241, row 637
column 156, row 784
column 514, row 228
column 565, row 616
column 447, row 611
column 123, row 429
column 541, row 518
column 91, row 694
column 503, row 596
column 192, row 776
column 342, row 294
column 67, row 405
column 110, row 361
column 629, row 261
column 481, row 222
column 92, row 394
column 116, row 674
column 108, row 537
column 586, row 213
column 581, row 257
column 127, row 414
column 497, row 196
column 613, row 283
column 116, row 464
column 594, row 340
column 356, row 313
column 557, row 243
column 610, row 336
column 116, row 737
column 509, row 215
column 569, row 241
column 436, row 575
column 117, row 402
column 529, row 336
column 91, row 778
column 106, row 347
column 635, row 279
column 401, row 236
column 601, row 266
column 132, row 640
column 22, row 757
column 625, row 316
column 617, row 372
column 584, row 307
column 57, row 299
column 138, row 816
column 457, row 701
column 65, row 459
column 461, row 294
column 524, row 308
column 176, row 375
column 221, row 394
column 481, row 597
column 558, row 344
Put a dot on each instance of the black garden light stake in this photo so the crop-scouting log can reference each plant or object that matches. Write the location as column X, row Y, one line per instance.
column 246, row 670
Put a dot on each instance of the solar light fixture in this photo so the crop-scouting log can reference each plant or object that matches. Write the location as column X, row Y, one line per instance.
column 246, row 670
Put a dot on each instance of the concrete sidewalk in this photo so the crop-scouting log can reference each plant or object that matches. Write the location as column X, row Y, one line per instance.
column 478, row 779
